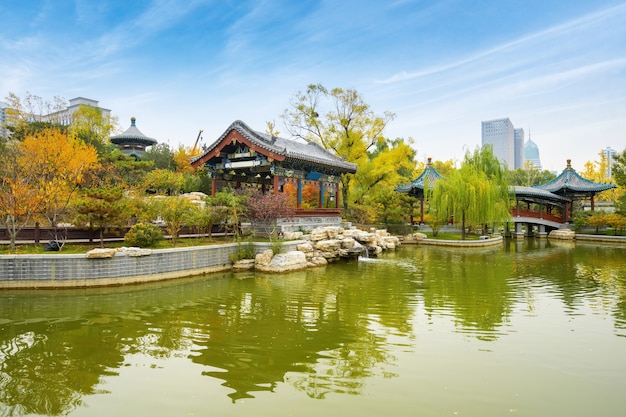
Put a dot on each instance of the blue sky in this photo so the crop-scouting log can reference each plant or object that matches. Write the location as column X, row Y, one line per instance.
column 555, row 68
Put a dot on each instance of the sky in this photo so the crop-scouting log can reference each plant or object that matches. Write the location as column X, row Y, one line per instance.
column 557, row 69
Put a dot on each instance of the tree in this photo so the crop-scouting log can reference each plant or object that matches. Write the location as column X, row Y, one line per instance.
column 161, row 155
column 100, row 208
column 62, row 163
column 349, row 129
column 391, row 164
column 475, row 194
column 33, row 114
column 266, row 208
column 93, row 128
column 597, row 171
column 176, row 212
column 619, row 175
column 233, row 206
column 40, row 176
column 20, row 199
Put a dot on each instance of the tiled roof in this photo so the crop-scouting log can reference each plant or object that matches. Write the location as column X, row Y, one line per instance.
column 309, row 151
column 429, row 175
column 521, row 191
column 132, row 134
column 570, row 180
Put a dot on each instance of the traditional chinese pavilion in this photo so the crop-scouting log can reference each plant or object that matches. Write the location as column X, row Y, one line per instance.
column 132, row 142
column 570, row 185
column 242, row 156
column 416, row 188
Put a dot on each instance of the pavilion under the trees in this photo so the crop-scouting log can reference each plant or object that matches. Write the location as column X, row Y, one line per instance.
column 242, row 157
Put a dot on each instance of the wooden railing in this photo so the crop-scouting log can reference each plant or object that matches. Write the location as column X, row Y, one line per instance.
column 536, row 215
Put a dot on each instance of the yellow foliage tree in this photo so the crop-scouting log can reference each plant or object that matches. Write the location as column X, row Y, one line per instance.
column 40, row 175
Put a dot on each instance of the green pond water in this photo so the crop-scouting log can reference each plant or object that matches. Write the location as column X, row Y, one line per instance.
column 528, row 328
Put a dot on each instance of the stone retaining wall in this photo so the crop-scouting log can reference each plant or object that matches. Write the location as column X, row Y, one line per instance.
column 59, row 270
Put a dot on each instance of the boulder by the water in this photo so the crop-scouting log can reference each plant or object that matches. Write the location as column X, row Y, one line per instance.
column 563, row 234
column 284, row 262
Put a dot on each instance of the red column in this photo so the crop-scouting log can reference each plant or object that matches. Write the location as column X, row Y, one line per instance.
column 275, row 184
column 213, row 187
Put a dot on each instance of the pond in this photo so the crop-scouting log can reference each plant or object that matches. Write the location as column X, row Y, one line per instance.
column 529, row 328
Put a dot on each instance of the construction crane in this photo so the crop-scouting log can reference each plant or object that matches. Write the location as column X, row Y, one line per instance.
column 195, row 145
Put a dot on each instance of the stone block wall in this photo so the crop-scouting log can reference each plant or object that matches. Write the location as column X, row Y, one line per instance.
column 59, row 270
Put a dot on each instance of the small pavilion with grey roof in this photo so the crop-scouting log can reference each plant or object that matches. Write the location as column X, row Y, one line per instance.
column 132, row 142
column 242, row 156
column 419, row 185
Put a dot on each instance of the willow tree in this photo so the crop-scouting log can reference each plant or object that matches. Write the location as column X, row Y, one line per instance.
column 477, row 194
column 348, row 128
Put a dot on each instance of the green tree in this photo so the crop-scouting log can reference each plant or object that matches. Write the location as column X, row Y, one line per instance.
column 475, row 194
column 349, row 129
column 176, row 212
column 161, row 155
column 100, row 208
column 233, row 207
column 619, row 176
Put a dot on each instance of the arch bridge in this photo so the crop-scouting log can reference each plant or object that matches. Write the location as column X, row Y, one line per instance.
column 539, row 210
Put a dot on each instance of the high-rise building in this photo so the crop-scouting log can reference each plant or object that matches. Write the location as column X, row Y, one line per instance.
column 500, row 134
column 609, row 154
column 3, row 120
column 531, row 154
column 518, row 143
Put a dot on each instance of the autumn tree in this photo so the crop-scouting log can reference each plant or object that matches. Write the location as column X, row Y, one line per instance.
column 348, row 128
column 20, row 199
column 62, row 165
column 94, row 128
column 392, row 163
column 264, row 209
column 597, row 171
column 41, row 174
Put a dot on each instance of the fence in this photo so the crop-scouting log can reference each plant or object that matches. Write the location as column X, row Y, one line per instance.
column 37, row 234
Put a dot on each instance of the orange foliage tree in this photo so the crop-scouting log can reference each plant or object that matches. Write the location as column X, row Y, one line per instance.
column 39, row 177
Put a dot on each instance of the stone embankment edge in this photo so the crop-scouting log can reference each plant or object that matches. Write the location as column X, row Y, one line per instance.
column 78, row 271
column 457, row 243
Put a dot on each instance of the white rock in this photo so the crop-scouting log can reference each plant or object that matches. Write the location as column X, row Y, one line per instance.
column 285, row 262
column 101, row 253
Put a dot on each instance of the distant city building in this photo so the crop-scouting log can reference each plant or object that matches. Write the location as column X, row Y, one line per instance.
column 66, row 116
column 500, row 134
column 609, row 154
column 132, row 142
column 4, row 132
column 518, row 143
column 531, row 154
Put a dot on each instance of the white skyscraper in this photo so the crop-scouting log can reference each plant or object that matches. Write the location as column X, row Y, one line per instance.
column 500, row 134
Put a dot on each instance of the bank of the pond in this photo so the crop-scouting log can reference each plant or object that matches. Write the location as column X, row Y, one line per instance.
column 479, row 243
column 78, row 270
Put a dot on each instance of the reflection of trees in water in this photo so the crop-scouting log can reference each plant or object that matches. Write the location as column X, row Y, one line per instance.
column 472, row 283
column 47, row 367
column 55, row 348
column 314, row 329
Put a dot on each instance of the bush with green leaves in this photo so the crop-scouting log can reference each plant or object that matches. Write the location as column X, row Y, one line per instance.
column 143, row 235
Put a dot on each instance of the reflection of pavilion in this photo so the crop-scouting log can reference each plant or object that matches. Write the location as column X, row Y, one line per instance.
column 244, row 157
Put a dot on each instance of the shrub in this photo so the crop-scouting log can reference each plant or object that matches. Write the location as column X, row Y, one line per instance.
column 143, row 235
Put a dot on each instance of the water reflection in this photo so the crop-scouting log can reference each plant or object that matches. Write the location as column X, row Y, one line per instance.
column 322, row 331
